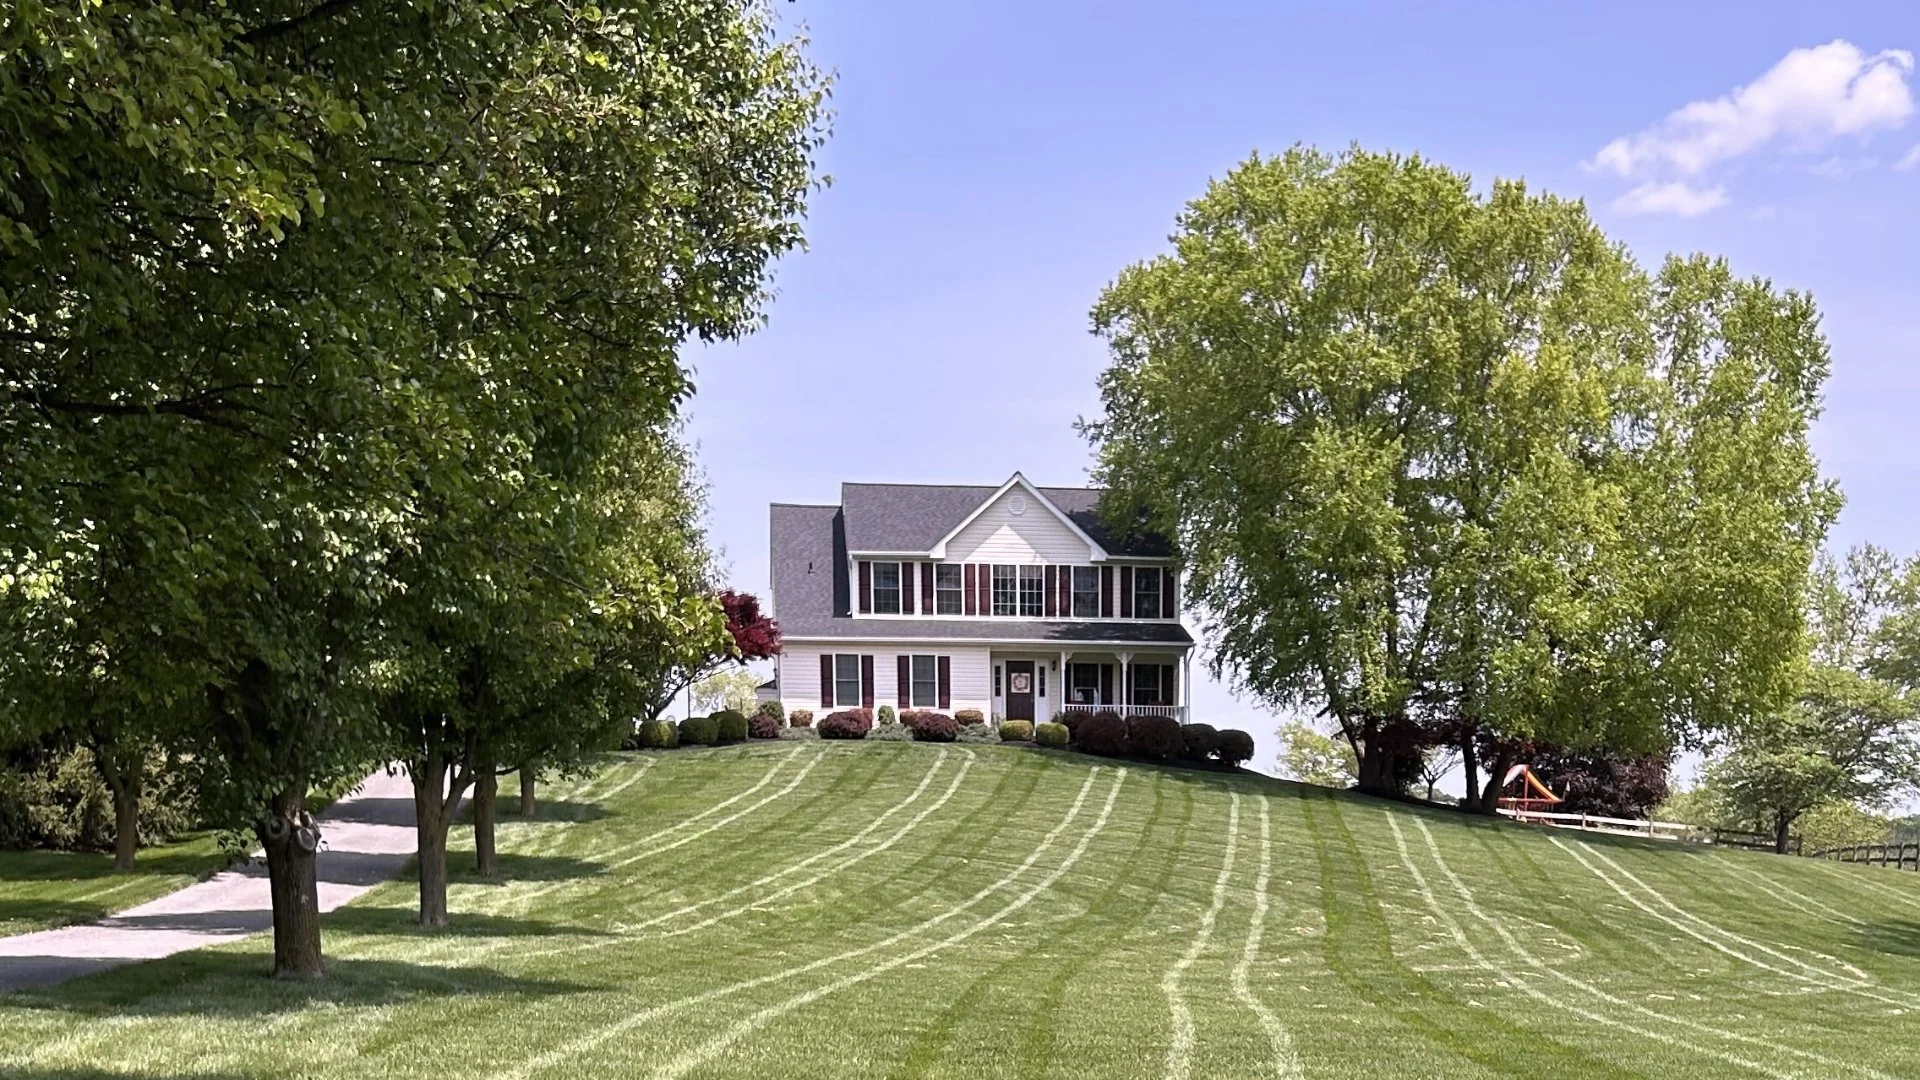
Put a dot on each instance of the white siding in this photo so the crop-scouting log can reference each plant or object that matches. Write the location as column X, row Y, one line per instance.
column 971, row 685
column 1000, row 536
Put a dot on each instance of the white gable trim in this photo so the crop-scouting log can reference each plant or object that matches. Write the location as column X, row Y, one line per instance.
column 1095, row 553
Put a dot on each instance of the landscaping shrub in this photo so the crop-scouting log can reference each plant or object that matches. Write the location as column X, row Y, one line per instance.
column 934, row 727
column 699, row 731
column 847, row 724
column 1156, row 738
column 658, row 735
column 1014, row 730
column 773, row 709
column 1053, row 735
column 890, row 733
column 1071, row 721
column 969, row 716
column 1198, row 741
column 1235, row 747
column 762, row 726
column 730, row 726
column 798, row 733
column 800, row 718
column 886, row 716
column 978, row 733
column 51, row 798
column 1102, row 733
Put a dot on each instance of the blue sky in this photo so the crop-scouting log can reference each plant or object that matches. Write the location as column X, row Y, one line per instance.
column 995, row 164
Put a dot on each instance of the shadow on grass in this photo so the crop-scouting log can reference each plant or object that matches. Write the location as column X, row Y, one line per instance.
column 404, row 922
column 523, row 868
column 1899, row 937
column 239, row 985
column 49, row 913
column 36, row 1072
column 546, row 810
column 192, row 859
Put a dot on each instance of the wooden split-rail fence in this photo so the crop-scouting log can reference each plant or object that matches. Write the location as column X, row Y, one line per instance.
column 1902, row 856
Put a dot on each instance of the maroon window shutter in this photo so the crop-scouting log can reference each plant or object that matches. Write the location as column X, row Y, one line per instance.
column 1169, row 684
column 926, row 588
column 1126, row 592
column 1106, row 684
column 1053, row 592
column 971, row 596
column 906, row 682
column 866, row 682
column 866, row 587
column 1066, row 591
column 986, row 589
column 826, row 681
column 1166, row 594
column 906, row 588
column 1106, row 592
column 945, row 664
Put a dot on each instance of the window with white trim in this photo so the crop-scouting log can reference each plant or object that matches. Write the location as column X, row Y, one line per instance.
column 1033, row 591
column 1086, row 592
column 1083, row 684
column 949, row 590
column 996, row 680
column 886, row 588
column 1005, row 590
column 925, row 688
column 846, row 681
column 1150, row 684
column 1146, row 592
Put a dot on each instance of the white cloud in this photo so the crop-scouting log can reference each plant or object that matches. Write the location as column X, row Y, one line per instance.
column 1675, row 197
column 1810, row 97
column 1911, row 160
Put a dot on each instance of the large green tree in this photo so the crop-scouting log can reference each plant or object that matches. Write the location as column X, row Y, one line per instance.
column 1446, row 464
column 310, row 273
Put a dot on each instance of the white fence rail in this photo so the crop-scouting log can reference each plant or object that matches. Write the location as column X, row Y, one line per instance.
column 1669, row 830
column 1178, row 712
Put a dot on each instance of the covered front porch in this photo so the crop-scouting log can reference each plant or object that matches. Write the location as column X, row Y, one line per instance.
column 1042, row 686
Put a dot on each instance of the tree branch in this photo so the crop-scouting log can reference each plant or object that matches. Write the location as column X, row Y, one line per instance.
column 272, row 30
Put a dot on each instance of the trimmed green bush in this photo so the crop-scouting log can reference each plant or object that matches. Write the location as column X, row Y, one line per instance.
column 800, row 718
column 847, row 724
column 658, row 735
column 1198, row 741
column 1015, row 731
column 1156, row 738
column 762, row 726
column 1103, row 733
column 934, row 727
column 885, row 716
column 890, row 733
column 978, row 733
column 1052, row 735
column 699, row 731
column 1235, row 746
column 793, row 734
column 969, row 716
column 730, row 726
column 54, row 798
column 772, row 709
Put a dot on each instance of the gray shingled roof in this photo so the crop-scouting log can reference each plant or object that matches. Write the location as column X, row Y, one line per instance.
column 914, row 517
column 1119, row 631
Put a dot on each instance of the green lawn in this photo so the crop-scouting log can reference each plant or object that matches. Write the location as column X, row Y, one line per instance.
column 895, row 910
column 43, row 889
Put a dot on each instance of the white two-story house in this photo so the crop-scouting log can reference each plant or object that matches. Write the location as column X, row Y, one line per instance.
column 1016, row 601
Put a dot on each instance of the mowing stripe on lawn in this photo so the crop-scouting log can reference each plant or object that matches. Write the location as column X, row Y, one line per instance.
column 607, row 795
column 631, row 933
column 693, row 1059
column 1285, row 1062
column 1525, row 955
column 1180, row 1050
column 1856, row 874
column 1818, row 981
column 1799, row 901
column 526, row 898
column 1466, row 945
column 600, row 1035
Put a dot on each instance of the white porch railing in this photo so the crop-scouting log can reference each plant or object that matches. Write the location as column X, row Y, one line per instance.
column 1178, row 712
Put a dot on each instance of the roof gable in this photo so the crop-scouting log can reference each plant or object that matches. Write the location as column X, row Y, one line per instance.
column 1095, row 552
column 911, row 519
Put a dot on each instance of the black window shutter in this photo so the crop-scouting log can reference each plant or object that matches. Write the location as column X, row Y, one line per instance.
column 866, row 682
column 1166, row 594
column 1106, row 684
column 926, row 588
column 1169, row 674
column 906, row 588
column 1126, row 592
column 866, row 587
column 1106, row 592
column 945, row 665
column 826, row 680
column 1053, row 592
column 906, row 681
column 970, row 594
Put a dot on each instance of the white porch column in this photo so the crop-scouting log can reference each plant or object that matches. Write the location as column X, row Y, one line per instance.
column 1120, row 692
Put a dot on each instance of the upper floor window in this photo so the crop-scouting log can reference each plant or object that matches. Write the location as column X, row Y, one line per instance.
column 1005, row 598
column 846, row 680
column 1032, row 592
column 886, row 588
column 1146, row 592
column 949, row 590
column 1086, row 592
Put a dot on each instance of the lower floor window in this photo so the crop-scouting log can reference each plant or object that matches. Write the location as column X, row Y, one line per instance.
column 926, row 682
column 1083, row 686
column 846, row 681
column 1150, row 685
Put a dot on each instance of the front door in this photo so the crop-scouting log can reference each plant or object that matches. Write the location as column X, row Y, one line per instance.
column 1019, row 689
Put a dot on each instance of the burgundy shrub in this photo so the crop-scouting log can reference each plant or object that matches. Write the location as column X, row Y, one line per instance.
column 934, row 727
column 1198, row 741
column 762, row 726
column 1102, row 733
column 1235, row 746
column 846, row 724
column 1156, row 738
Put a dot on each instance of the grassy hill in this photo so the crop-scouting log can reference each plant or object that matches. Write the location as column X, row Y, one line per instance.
column 889, row 910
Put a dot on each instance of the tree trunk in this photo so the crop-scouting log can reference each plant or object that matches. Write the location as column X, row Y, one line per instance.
column 290, row 838
column 1488, row 801
column 1781, row 836
column 486, row 787
column 430, row 834
column 1470, row 762
column 527, row 778
column 126, row 826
